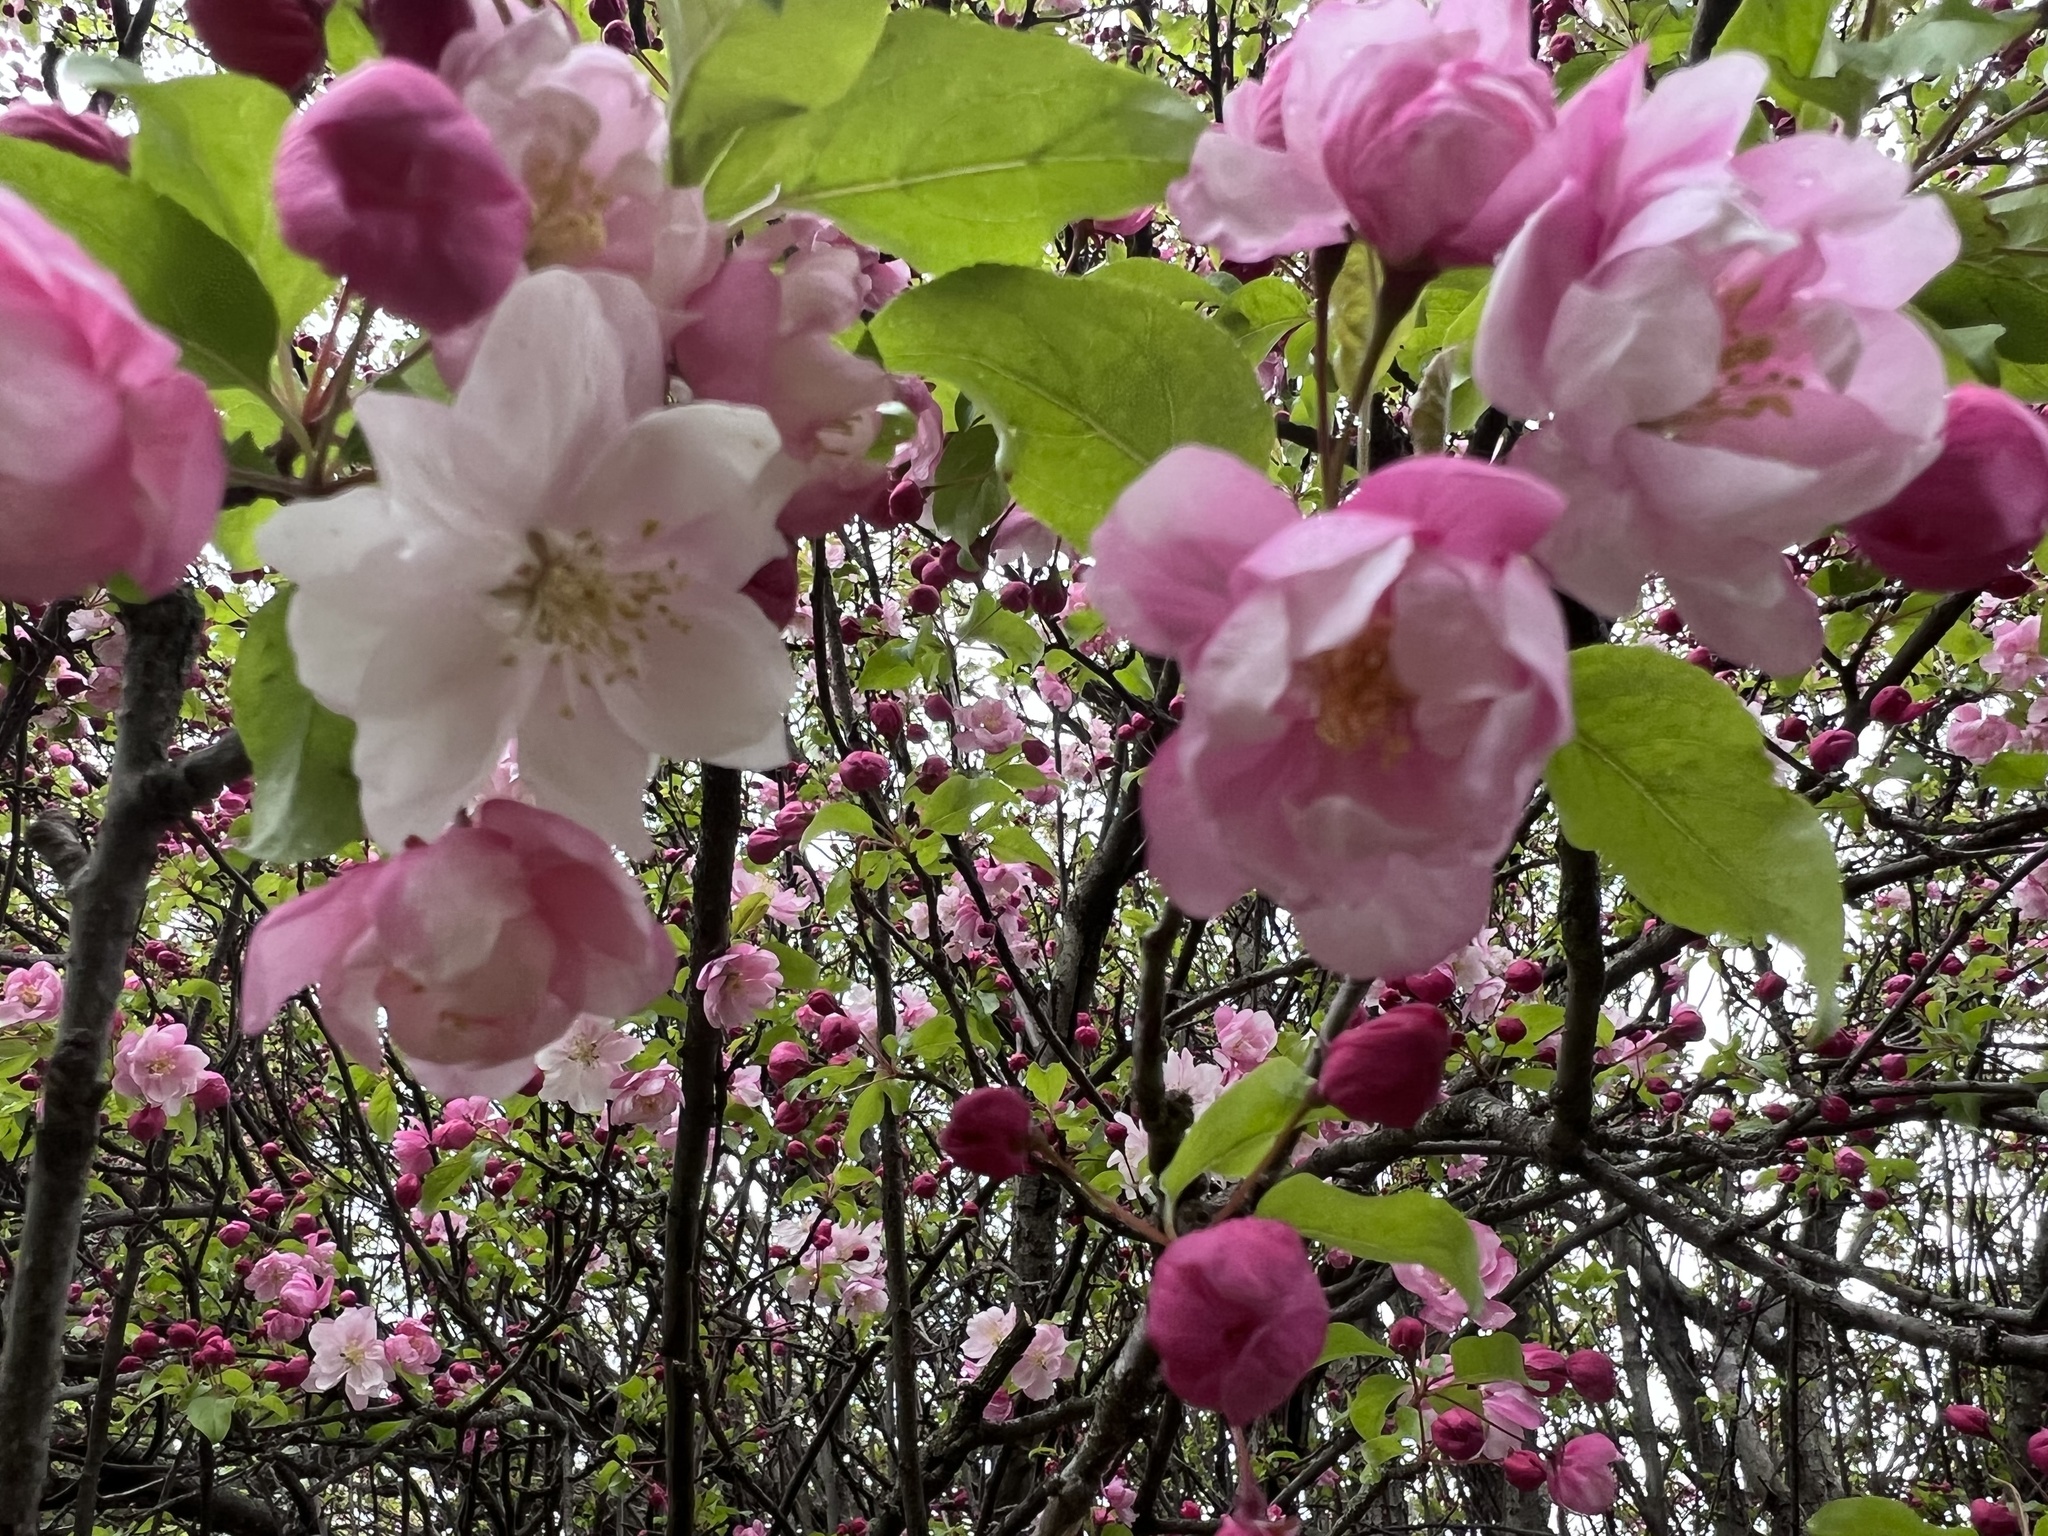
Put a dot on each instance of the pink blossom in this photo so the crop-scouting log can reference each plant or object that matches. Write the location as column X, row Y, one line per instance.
column 1046, row 1363
column 85, row 134
column 411, row 1347
column 32, row 994
column 784, row 905
column 2015, row 659
column 348, row 1353
column 156, row 1066
column 1237, row 1316
column 110, row 456
column 2030, row 897
column 1582, row 1475
column 413, row 1150
column 738, row 985
column 1977, row 735
column 1415, row 125
column 1715, row 345
column 1053, row 689
column 745, row 1087
column 987, row 725
column 389, row 181
column 1244, row 1037
column 1443, row 1308
column 580, row 1068
column 1201, row 1081
column 646, row 1098
column 479, row 948
column 1370, row 693
column 986, row 1331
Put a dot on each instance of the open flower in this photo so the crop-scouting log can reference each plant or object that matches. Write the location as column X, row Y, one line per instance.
column 554, row 558
column 156, row 1066
column 31, row 994
column 1371, row 692
column 348, row 1353
column 738, row 985
column 479, row 948
column 1443, row 1308
column 580, row 1068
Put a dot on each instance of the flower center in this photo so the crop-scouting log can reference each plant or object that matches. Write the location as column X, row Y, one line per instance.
column 1358, row 698
column 572, row 601
column 568, row 222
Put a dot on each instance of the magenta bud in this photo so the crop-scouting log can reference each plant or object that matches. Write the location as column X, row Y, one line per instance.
column 1891, row 705
column 933, row 772
column 1968, row 1419
column 1459, row 1433
column 1768, row 987
column 1591, row 1373
column 1388, row 1070
column 1830, row 750
column 1525, row 1469
column 989, row 1133
column 1407, row 1337
column 1523, row 976
column 862, row 772
column 886, row 716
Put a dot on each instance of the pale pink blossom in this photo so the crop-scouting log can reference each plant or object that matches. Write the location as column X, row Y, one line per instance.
column 413, row 1150
column 156, row 1066
column 1582, row 1475
column 31, row 994
column 784, row 904
column 986, row 1331
column 1022, row 537
column 348, row 1353
column 1714, row 345
column 2015, row 658
column 739, row 985
column 1244, row 1038
column 1046, row 1363
column 1371, row 693
column 746, row 1089
column 1443, row 1308
column 1053, row 689
column 1977, row 735
column 646, row 1098
column 1201, row 1081
column 1001, row 1408
column 411, row 1347
column 477, row 949
column 580, row 1068
column 988, row 725
column 2030, row 896
column 863, row 1295
column 110, row 456
column 555, row 558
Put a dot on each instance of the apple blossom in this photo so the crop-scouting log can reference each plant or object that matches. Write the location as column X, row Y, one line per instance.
column 2015, row 659
column 1371, row 693
column 1977, row 734
column 1244, row 1037
column 1237, row 1316
column 1046, row 1362
column 648, row 1097
column 553, row 558
column 1582, row 1475
column 155, row 1065
column 1443, row 1308
column 989, row 1132
column 479, row 948
column 110, row 456
column 411, row 1347
column 987, row 1330
column 580, row 1068
column 1714, row 346
column 739, row 985
column 31, row 994
column 389, row 181
column 348, row 1353
column 1388, row 1070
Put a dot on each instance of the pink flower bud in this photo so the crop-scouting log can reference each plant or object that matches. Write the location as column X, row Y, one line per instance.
column 212, row 1093
column 1893, row 1067
column 886, row 716
column 1087, row 1038
column 1722, row 1120
column 1768, row 987
column 233, row 1234
column 454, row 1135
column 1523, row 977
column 2037, row 1449
column 860, row 772
column 1686, row 1026
column 1524, row 1470
column 1830, row 750
column 1236, row 1316
column 1793, row 729
column 84, row 134
column 1993, row 1517
column 1851, row 1164
column 906, row 502
column 836, row 1033
column 181, row 1336
column 1545, row 1368
column 1459, row 1433
column 1968, row 1419
column 406, row 1191
column 1974, row 513
column 1891, row 705
column 147, row 1123
column 989, row 1133
column 1591, row 1374
column 1407, row 1337
column 390, row 181
column 933, row 772
column 1388, row 1070
column 1834, row 1109
column 787, row 1062
column 282, row 41
column 764, row 845
column 1432, row 986
column 289, row 1374
column 1510, row 1030
column 925, row 1186
column 419, row 30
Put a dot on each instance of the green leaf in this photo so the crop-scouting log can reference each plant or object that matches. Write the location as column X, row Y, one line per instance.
column 889, row 668
column 382, row 1109
column 1951, row 35
column 964, row 142
column 207, row 143
column 1869, row 1517
column 2009, row 291
column 210, row 1415
column 1669, row 781
column 839, row 816
column 949, row 809
column 1345, row 1342
column 864, row 1116
column 1788, row 33
column 1011, row 632
column 183, row 277
column 307, row 802
column 1163, row 278
column 799, row 971
column 2015, row 770
column 1046, row 1083
column 968, row 490
column 764, row 64
column 448, row 1176
column 1369, row 1404
column 1480, row 1358
column 1234, row 1134
column 1089, row 382
column 349, row 40
column 1410, row 1226
column 1261, row 313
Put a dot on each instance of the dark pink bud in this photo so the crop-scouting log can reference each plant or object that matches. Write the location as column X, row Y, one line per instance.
column 906, row 503
column 773, row 590
column 454, row 1135
column 617, row 34
column 787, row 1062
column 233, row 1234
column 1523, row 976
column 925, row 1186
column 1686, row 1026
column 1510, row 1030
column 181, row 1336
column 764, row 845
column 922, row 600
column 836, row 1033
column 390, row 181
column 1968, row 1419
column 1993, row 1517
column 1974, row 513
column 1524, row 1470
column 1035, row 752
column 1236, row 1316
column 1777, row 1114
column 147, row 1123
column 1768, row 988
column 148, row 1346
column 1591, row 1374
column 1891, row 705
column 1793, row 728
column 84, row 134
column 989, row 1133
column 1893, row 1067
column 282, row 41
column 2037, row 1450
column 1433, row 986
column 1015, row 596
column 1851, row 1164
column 406, row 1191
column 1388, row 1070
column 1545, row 1368
column 1087, row 1037
column 791, row 1117
column 1407, row 1337
column 1834, row 1109
column 933, row 772
column 1722, row 1120
column 212, row 1093
column 419, row 30
column 289, row 1374
column 1830, row 750
column 886, row 716
column 1459, row 1433
column 1875, row 1199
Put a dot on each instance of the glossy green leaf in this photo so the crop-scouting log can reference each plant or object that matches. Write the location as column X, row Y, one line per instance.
column 765, row 63
column 210, row 1415
column 1088, row 382
column 1369, row 1404
column 1952, row 34
column 1787, row 33
column 1483, row 1357
column 2003, row 290
column 1234, row 1134
column 1262, row 314
column 1668, row 780
column 968, row 489
column 307, row 803
column 839, row 816
column 1867, row 1516
column 963, row 142
column 183, row 277
column 1410, row 1226
column 1344, row 1342
column 1160, row 277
